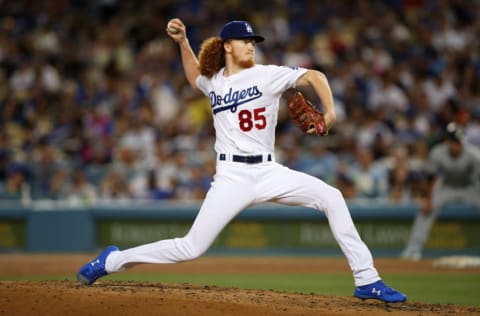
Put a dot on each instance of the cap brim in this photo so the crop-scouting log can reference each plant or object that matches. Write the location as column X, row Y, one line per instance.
column 257, row 38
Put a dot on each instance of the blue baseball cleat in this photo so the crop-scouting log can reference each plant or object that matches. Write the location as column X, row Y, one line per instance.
column 379, row 291
column 95, row 269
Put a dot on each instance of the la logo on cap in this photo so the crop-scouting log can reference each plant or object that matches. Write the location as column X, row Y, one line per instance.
column 248, row 27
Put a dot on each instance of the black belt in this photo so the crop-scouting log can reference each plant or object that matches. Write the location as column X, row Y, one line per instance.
column 246, row 159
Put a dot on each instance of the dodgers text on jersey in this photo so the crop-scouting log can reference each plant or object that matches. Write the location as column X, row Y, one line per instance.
column 232, row 99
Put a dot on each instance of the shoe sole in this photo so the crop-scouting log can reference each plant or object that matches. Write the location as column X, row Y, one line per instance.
column 363, row 298
column 82, row 279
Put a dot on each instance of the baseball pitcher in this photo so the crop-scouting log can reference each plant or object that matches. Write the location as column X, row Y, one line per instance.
column 244, row 99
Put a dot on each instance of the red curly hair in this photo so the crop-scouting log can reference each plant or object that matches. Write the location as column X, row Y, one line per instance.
column 211, row 56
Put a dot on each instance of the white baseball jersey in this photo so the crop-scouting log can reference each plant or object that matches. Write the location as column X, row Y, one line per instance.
column 245, row 106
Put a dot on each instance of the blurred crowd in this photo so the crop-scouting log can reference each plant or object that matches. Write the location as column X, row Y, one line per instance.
column 94, row 104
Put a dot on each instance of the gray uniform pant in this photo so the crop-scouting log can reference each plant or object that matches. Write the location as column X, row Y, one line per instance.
column 441, row 197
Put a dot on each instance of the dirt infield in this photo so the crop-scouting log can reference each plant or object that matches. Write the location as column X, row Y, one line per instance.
column 150, row 298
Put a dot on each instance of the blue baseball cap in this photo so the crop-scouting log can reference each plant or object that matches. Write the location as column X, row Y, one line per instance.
column 237, row 30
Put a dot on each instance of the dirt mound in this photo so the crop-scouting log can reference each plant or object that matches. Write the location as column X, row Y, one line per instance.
column 151, row 298
column 108, row 297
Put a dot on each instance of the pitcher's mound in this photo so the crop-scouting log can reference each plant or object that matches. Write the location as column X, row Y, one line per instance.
column 152, row 298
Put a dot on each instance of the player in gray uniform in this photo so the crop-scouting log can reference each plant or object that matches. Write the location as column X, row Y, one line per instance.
column 453, row 170
column 245, row 101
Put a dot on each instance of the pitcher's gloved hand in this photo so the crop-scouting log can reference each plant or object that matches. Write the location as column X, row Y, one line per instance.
column 305, row 116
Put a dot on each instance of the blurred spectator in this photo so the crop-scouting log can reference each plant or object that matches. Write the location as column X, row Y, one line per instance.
column 15, row 184
column 154, row 191
column 399, row 184
column 388, row 95
column 199, row 183
column 184, row 177
column 5, row 155
column 48, row 170
column 438, row 90
column 321, row 163
column 138, row 140
column 345, row 182
column 114, row 187
column 405, row 165
column 374, row 133
column 472, row 128
column 369, row 177
column 59, row 184
column 165, row 101
column 294, row 157
column 80, row 191
column 298, row 52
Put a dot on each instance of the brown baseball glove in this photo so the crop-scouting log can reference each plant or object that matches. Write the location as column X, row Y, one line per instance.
column 305, row 116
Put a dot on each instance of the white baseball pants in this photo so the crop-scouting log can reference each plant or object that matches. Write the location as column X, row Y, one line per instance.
column 237, row 186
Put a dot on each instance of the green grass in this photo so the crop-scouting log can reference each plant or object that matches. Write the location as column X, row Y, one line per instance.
column 444, row 288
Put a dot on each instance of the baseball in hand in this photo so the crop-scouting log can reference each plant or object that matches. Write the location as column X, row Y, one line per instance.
column 172, row 29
